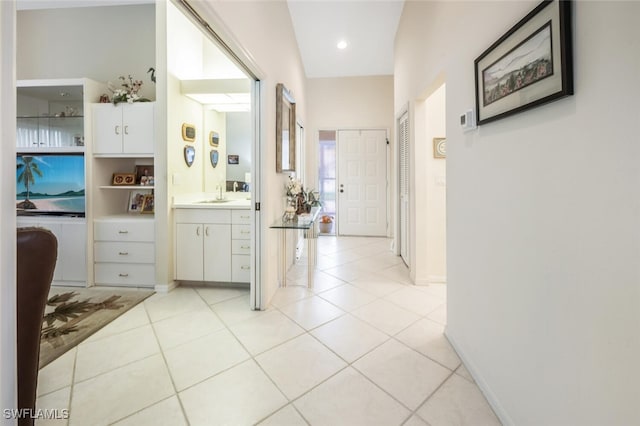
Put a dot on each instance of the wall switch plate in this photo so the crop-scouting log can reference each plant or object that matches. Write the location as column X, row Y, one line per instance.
column 468, row 121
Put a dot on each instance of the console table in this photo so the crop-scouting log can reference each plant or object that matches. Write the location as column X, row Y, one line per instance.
column 310, row 234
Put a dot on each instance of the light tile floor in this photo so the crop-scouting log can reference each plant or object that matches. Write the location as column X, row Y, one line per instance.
column 364, row 347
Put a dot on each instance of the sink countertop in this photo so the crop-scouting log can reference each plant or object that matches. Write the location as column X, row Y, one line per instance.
column 208, row 201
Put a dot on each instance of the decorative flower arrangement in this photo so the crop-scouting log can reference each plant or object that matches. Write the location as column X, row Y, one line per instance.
column 326, row 219
column 129, row 92
column 300, row 199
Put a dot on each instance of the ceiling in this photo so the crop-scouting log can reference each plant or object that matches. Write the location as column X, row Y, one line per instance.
column 368, row 27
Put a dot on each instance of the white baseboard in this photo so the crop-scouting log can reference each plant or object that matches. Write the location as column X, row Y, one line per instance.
column 498, row 409
column 437, row 279
column 165, row 288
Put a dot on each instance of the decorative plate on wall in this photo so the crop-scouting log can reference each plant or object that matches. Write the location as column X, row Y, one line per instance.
column 214, row 157
column 439, row 147
column 189, row 154
column 188, row 132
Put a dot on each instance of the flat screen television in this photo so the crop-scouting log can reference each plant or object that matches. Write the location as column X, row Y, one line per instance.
column 50, row 184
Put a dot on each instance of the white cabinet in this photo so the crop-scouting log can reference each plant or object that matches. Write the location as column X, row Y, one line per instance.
column 203, row 245
column 123, row 129
column 124, row 252
column 241, row 246
column 71, row 233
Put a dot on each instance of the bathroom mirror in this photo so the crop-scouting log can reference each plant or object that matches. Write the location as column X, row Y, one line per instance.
column 189, row 155
column 285, row 130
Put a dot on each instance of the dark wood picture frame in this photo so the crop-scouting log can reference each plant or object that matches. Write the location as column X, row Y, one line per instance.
column 285, row 130
column 530, row 65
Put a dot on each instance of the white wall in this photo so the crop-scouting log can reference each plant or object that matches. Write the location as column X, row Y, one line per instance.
column 238, row 143
column 101, row 43
column 8, row 382
column 346, row 103
column 263, row 33
column 543, row 215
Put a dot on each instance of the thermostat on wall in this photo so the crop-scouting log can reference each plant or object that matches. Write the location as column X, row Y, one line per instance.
column 468, row 121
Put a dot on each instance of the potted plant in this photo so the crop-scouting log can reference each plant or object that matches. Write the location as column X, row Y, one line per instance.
column 325, row 224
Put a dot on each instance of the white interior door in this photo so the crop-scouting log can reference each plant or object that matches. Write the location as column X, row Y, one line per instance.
column 362, row 182
column 403, row 180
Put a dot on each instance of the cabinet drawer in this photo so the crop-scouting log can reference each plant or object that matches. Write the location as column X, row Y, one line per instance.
column 241, row 217
column 130, row 230
column 123, row 252
column 241, row 247
column 125, row 274
column 202, row 216
column 241, row 232
column 240, row 268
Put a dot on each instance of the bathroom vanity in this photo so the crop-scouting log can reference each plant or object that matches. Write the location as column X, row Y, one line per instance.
column 213, row 240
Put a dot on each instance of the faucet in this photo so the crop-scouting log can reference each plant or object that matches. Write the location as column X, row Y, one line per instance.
column 235, row 186
column 219, row 188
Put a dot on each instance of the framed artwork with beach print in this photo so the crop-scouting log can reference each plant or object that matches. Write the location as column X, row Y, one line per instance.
column 530, row 65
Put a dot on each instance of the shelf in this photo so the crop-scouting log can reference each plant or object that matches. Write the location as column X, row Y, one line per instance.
column 50, row 116
column 126, row 187
column 50, row 150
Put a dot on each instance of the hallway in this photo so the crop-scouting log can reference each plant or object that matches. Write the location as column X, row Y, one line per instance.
column 362, row 348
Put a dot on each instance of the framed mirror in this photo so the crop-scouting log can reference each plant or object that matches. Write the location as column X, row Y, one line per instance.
column 214, row 157
column 189, row 155
column 285, row 130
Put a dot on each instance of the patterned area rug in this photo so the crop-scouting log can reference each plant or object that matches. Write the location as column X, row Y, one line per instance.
column 73, row 314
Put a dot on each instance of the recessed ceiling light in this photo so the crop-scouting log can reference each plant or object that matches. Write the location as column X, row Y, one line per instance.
column 342, row 44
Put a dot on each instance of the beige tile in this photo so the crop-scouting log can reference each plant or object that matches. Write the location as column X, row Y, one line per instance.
column 348, row 297
column 417, row 301
column 212, row 295
column 202, row 358
column 427, row 337
column 58, row 374
column 312, row 312
column 299, row 364
column 165, row 413
column 349, row 337
column 265, row 332
column 350, row 399
column 463, row 372
column 399, row 273
column 323, row 282
column 235, row 310
column 415, row 421
column 133, row 318
column 402, row 372
column 121, row 392
column 347, row 272
column 243, row 395
column 56, row 405
column 287, row 416
column 287, row 295
column 377, row 285
column 437, row 289
column 114, row 351
column 439, row 315
column 458, row 402
column 182, row 328
column 178, row 301
column 386, row 316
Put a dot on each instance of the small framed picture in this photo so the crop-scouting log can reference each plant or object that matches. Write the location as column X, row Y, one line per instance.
column 144, row 175
column 120, row 179
column 214, row 138
column 188, row 132
column 439, row 147
column 233, row 159
column 136, row 200
column 147, row 204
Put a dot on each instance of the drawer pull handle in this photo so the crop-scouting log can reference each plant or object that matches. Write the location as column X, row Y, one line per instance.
column 123, row 232
column 245, row 247
column 117, row 130
column 123, row 253
column 123, row 275
column 245, row 232
column 246, row 268
column 245, row 217
column 126, row 130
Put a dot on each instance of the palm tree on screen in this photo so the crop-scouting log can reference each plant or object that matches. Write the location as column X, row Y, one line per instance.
column 28, row 171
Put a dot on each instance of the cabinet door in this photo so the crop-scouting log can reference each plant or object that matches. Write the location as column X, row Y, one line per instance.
column 217, row 252
column 72, row 253
column 137, row 121
column 107, row 129
column 189, row 249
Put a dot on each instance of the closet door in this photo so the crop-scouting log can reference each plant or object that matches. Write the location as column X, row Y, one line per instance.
column 403, row 190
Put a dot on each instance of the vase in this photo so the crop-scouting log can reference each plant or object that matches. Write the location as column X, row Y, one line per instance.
column 325, row 227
